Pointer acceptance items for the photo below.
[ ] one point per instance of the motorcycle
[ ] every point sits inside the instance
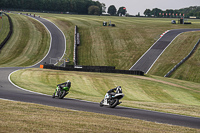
(112, 99)
(60, 93)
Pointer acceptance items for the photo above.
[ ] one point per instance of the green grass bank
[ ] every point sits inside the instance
(4, 28)
(28, 44)
(151, 93)
(123, 45)
(177, 51)
(119, 46)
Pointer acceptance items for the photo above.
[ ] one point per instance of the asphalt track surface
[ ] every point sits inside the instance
(153, 53)
(12, 92)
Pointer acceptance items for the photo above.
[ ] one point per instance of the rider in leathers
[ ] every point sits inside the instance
(65, 84)
(114, 90)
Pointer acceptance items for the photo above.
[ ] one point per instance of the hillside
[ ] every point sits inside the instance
(28, 44)
(119, 46)
(123, 45)
(177, 51)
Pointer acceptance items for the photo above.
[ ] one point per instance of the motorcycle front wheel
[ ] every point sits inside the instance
(53, 96)
(101, 103)
(114, 103)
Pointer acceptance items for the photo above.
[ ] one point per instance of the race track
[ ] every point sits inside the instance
(11, 92)
(153, 53)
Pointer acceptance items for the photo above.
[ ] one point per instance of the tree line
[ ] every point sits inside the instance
(184, 12)
(112, 10)
(71, 6)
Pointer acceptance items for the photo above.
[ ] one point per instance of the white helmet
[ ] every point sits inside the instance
(119, 89)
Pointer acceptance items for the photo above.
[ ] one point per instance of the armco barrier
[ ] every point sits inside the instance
(9, 34)
(101, 69)
(180, 63)
(76, 44)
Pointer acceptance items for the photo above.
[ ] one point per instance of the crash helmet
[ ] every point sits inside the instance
(119, 89)
(68, 83)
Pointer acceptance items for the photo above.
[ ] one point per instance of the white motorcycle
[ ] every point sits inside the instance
(112, 99)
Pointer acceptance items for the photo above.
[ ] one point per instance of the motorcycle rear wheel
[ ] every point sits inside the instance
(114, 103)
(61, 94)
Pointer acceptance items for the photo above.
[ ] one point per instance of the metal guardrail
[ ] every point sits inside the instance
(75, 47)
(76, 43)
(180, 63)
(99, 69)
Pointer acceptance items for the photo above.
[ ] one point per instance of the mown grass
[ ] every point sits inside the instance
(4, 28)
(180, 47)
(23, 117)
(119, 46)
(28, 44)
(150, 93)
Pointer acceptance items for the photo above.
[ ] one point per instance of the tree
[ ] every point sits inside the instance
(81, 7)
(112, 10)
(147, 12)
(156, 12)
(94, 10)
(138, 15)
(73, 6)
(122, 11)
(97, 3)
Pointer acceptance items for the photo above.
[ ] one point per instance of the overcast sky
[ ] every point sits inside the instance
(135, 6)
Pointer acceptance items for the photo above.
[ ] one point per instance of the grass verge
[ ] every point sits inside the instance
(27, 117)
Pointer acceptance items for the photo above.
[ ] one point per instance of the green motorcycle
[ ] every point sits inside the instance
(61, 92)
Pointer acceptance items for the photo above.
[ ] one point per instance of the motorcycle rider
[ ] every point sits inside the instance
(65, 84)
(113, 91)
(112, 97)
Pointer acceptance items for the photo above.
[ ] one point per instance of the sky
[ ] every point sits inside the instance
(135, 6)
